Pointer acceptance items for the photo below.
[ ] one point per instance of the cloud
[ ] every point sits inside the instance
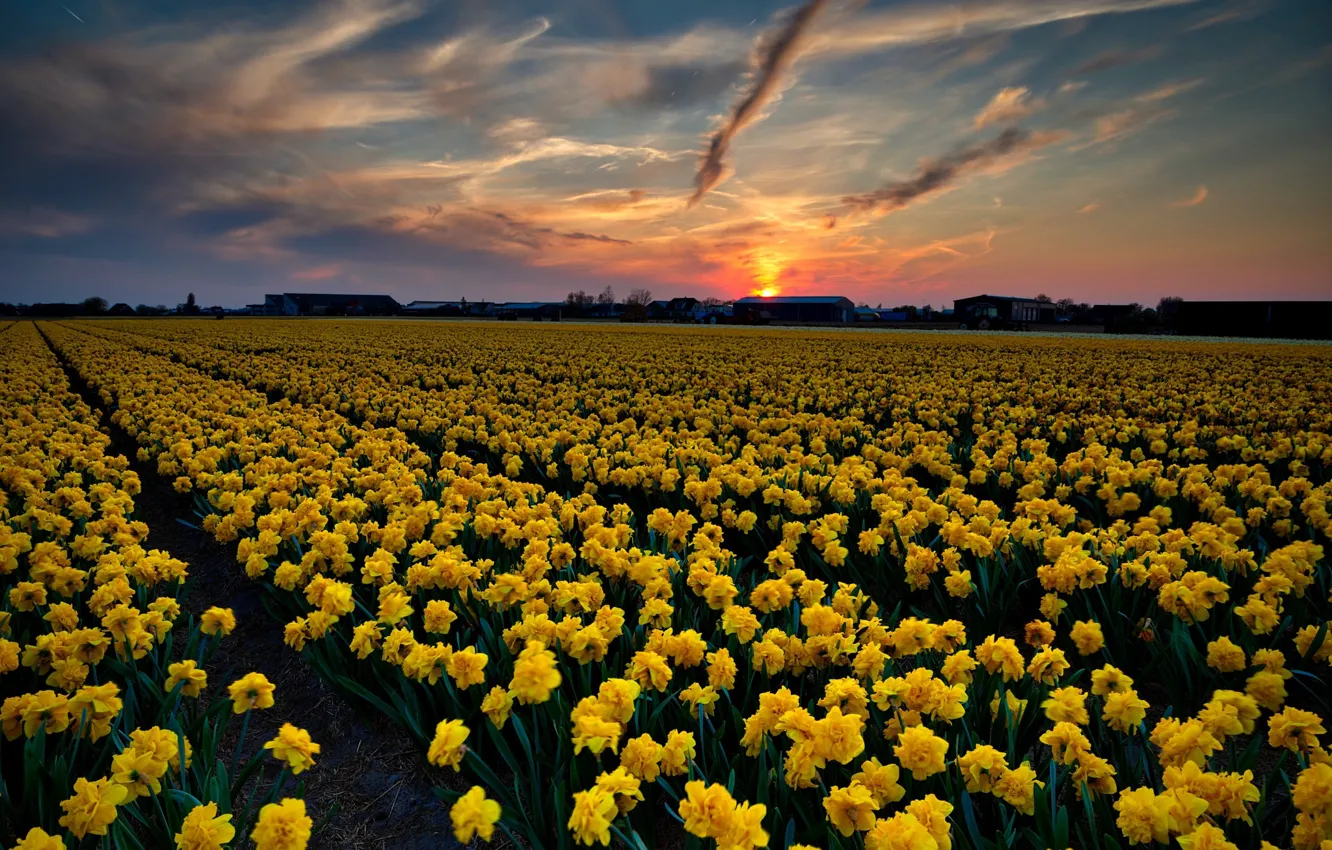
(324, 272)
(1117, 59)
(773, 55)
(1007, 106)
(1131, 116)
(1197, 198)
(44, 223)
(1235, 11)
(1169, 90)
(185, 93)
(1089, 208)
(938, 175)
(923, 23)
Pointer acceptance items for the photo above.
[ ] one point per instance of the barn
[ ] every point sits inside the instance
(815, 309)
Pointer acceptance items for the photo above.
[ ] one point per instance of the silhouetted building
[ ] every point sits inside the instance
(997, 309)
(1112, 316)
(331, 304)
(54, 309)
(815, 309)
(533, 309)
(1278, 319)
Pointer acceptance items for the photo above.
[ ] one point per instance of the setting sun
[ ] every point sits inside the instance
(768, 292)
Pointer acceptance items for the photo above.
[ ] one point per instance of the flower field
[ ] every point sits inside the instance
(660, 587)
(102, 668)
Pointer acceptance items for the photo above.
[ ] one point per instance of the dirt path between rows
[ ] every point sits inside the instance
(369, 769)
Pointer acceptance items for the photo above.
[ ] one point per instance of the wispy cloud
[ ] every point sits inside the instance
(1117, 59)
(1089, 208)
(773, 55)
(1169, 90)
(45, 223)
(1131, 116)
(325, 272)
(1233, 12)
(1197, 198)
(939, 175)
(901, 25)
(1008, 105)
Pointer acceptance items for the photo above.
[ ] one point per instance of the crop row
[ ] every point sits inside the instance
(106, 667)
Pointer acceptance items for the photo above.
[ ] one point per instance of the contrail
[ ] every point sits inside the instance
(773, 55)
(72, 15)
(936, 175)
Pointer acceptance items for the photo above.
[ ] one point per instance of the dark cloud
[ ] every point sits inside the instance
(937, 175)
(773, 55)
(1117, 59)
(595, 237)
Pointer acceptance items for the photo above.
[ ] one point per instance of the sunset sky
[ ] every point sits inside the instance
(893, 152)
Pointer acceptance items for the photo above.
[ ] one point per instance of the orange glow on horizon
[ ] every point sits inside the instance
(767, 292)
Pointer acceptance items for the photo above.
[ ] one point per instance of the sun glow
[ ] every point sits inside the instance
(765, 269)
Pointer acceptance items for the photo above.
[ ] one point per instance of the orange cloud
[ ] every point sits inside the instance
(318, 272)
(1198, 197)
(1007, 105)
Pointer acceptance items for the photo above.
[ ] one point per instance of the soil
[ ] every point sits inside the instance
(370, 787)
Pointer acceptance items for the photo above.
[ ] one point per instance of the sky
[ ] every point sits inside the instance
(892, 152)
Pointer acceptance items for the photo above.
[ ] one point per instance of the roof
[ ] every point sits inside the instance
(431, 305)
(531, 305)
(996, 298)
(793, 299)
(329, 299)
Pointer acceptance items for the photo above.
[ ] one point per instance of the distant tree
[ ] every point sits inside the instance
(7, 309)
(1044, 299)
(578, 299)
(95, 305)
(1065, 305)
(1169, 305)
(607, 296)
(190, 303)
(712, 302)
(636, 305)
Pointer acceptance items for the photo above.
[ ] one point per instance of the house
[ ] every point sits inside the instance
(120, 309)
(997, 309)
(328, 304)
(892, 315)
(1278, 319)
(867, 314)
(814, 309)
(684, 309)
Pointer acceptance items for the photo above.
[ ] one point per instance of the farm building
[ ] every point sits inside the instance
(532, 309)
(434, 308)
(1279, 319)
(330, 304)
(821, 309)
(1004, 308)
